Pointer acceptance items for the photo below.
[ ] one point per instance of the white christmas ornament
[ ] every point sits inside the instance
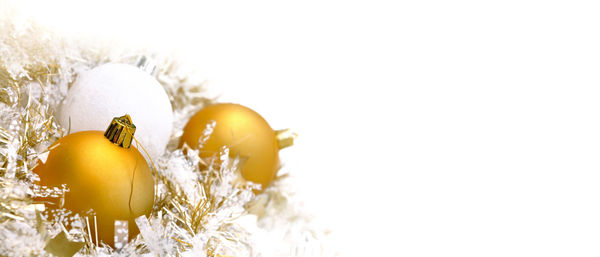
(112, 90)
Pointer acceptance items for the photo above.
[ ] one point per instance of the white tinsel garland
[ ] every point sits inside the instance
(198, 213)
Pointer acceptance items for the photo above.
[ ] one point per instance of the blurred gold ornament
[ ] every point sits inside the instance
(245, 133)
(103, 173)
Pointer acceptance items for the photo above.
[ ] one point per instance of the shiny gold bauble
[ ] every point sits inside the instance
(246, 134)
(113, 181)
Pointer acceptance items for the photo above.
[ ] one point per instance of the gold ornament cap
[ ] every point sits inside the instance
(285, 137)
(120, 131)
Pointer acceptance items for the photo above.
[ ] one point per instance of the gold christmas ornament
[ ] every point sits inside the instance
(103, 173)
(246, 134)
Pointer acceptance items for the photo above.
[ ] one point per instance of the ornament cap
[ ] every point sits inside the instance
(146, 64)
(285, 137)
(120, 131)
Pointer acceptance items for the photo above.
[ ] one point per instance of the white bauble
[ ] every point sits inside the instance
(113, 90)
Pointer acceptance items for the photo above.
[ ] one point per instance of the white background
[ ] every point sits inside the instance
(427, 128)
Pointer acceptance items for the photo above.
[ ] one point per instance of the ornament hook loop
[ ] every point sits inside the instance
(120, 131)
